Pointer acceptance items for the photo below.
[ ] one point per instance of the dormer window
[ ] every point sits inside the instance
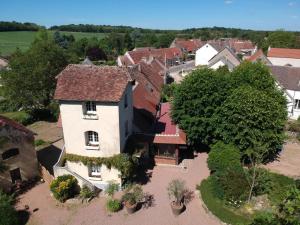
(90, 107)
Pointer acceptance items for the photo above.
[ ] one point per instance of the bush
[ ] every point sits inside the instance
(113, 205)
(8, 215)
(235, 186)
(217, 207)
(265, 218)
(264, 182)
(86, 192)
(133, 194)
(64, 187)
(294, 126)
(112, 189)
(176, 189)
(223, 157)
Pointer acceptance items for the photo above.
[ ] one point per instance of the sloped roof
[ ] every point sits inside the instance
(284, 53)
(166, 132)
(288, 77)
(259, 55)
(4, 121)
(94, 83)
(227, 55)
(189, 45)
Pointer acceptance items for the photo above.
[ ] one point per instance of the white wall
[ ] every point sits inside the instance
(293, 113)
(217, 65)
(204, 54)
(284, 61)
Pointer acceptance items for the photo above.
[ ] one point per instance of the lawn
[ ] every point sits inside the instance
(20, 116)
(11, 40)
(216, 206)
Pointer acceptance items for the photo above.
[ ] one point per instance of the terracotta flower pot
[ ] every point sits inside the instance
(177, 209)
(130, 208)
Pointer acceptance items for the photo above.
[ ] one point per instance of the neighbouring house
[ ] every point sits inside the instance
(169, 143)
(259, 56)
(96, 108)
(284, 56)
(166, 56)
(224, 58)
(17, 154)
(187, 46)
(205, 53)
(288, 79)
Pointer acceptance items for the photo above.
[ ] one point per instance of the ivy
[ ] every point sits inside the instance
(125, 163)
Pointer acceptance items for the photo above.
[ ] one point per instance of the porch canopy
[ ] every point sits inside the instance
(168, 137)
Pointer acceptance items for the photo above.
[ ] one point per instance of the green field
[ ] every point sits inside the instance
(9, 41)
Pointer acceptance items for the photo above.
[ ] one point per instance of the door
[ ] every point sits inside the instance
(15, 175)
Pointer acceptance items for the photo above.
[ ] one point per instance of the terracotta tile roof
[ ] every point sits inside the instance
(284, 53)
(89, 82)
(4, 121)
(160, 53)
(153, 73)
(288, 77)
(166, 132)
(257, 55)
(189, 45)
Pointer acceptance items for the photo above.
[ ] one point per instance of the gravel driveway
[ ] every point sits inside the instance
(52, 213)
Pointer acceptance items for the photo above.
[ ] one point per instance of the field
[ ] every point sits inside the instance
(9, 41)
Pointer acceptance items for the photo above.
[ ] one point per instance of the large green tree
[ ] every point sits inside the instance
(195, 101)
(30, 82)
(251, 118)
(8, 215)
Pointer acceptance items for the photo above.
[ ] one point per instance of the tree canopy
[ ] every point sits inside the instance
(30, 82)
(243, 107)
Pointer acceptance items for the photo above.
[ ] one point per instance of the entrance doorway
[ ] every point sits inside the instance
(15, 175)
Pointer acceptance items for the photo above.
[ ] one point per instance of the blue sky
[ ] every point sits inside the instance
(161, 14)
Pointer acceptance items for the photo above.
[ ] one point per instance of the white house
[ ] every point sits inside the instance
(96, 114)
(288, 79)
(284, 56)
(205, 53)
(226, 57)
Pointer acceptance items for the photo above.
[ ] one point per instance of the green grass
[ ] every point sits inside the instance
(11, 40)
(20, 116)
(216, 206)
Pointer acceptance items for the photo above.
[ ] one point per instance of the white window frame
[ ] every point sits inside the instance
(95, 171)
(297, 104)
(92, 138)
(90, 108)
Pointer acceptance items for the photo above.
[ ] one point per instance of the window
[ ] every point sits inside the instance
(95, 171)
(90, 107)
(126, 128)
(92, 138)
(10, 153)
(297, 104)
(125, 101)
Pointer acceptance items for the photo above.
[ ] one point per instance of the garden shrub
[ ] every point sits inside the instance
(112, 189)
(223, 157)
(8, 215)
(265, 218)
(20, 117)
(39, 142)
(235, 186)
(64, 187)
(86, 192)
(264, 181)
(113, 205)
(294, 126)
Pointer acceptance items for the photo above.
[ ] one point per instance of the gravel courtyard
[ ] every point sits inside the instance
(50, 212)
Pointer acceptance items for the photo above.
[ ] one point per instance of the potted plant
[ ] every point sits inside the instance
(176, 189)
(112, 205)
(132, 197)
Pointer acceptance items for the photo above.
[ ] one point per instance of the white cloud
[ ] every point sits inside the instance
(294, 17)
(228, 2)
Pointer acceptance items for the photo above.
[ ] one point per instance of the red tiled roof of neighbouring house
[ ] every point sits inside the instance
(257, 55)
(189, 45)
(89, 82)
(166, 132)
(160, 53)
(288, 77)
(4, 121)
(239, 45)
(152, 73)
(284, 53)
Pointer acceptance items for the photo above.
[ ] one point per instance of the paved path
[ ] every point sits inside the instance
(288, 162)
(94, 213)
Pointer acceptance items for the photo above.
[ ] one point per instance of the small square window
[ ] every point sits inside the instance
(90, 107)
(92, 138)
(95, 171)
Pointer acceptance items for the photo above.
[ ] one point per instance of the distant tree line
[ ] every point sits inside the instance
(16, 26)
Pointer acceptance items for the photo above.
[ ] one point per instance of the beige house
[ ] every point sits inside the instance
(225, 57)
(17, 154)
(96, 114)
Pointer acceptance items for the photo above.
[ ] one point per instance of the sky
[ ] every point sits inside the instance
(158, 14)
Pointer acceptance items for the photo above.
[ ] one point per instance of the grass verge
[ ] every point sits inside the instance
(217, 207)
